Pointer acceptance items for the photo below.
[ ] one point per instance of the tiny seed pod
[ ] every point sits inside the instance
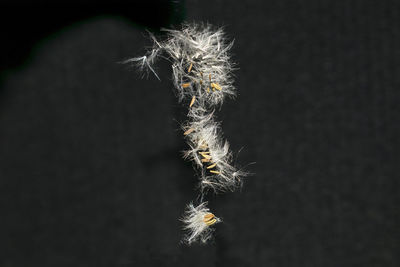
(209, 219)
(188, 131)
(216, 86)
(185, 85)
(211, 222)
(208, 216)
(192, 102)
(212, 166)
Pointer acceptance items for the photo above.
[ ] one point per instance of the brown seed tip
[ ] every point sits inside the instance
(185, 85)
(188, 131)
(192, 102)
(190, 67)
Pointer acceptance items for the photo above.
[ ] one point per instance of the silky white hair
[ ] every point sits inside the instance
(202, 47)
(202, 73)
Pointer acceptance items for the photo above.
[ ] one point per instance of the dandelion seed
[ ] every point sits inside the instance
(197, 222)
(190, 67)
(216, 86)
(192, 102)
(207, 157)
(209, 219)
(212, 166)
(215, 172)
(188, 131)
(208, 216)
(185, 85)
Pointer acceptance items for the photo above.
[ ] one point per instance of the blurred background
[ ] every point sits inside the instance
(91, 172)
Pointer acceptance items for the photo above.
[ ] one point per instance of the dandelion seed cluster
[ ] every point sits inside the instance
(202, 75)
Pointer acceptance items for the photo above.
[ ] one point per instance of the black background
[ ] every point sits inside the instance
(90, 165)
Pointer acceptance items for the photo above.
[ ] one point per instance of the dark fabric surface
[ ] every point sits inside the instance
(90, 165)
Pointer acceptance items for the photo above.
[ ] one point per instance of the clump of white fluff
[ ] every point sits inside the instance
(202, 74)
(195, 225)
(210, 152)
(200, 49)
